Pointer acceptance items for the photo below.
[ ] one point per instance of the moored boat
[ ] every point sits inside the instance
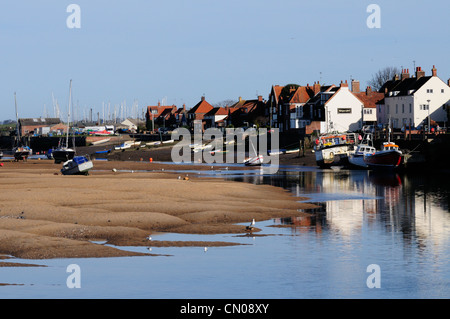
(20, 152)
(356, 159)
(389, 157)
(79, 165)
(63, 152)
(254, 161)
(334, 149)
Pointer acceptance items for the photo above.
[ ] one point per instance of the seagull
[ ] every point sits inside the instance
(149, 237)
(149, 248)
(206, 249)
(179, 177)
(250, 227)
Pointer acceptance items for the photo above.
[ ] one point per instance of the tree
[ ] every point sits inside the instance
(382, 76)
(228, 102)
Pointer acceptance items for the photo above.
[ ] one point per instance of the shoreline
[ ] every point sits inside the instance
(45, 215)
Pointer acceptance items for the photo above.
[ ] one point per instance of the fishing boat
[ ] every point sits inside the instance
(389, 157)
(79, 165)
(333, 149)
(21, 152)
(356, 159)
(63, 152)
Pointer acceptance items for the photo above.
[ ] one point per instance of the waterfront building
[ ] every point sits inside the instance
(334, 108)
(412, 100)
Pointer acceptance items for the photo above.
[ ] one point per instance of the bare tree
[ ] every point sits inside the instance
(382, 76)
(228, 102)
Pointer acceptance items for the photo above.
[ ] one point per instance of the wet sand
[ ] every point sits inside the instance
(44, 214)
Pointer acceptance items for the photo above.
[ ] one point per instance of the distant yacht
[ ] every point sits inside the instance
(63, 153)
(21, 152)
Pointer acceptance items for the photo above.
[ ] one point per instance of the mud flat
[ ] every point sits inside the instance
(44, 214)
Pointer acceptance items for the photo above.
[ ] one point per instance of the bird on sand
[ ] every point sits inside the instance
(250, 227)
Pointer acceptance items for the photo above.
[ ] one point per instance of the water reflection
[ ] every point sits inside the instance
(355, 202)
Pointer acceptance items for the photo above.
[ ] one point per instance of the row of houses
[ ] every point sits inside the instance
(406, 100)
(241, 113)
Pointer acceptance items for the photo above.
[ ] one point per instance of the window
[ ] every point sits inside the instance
(410, 108)
(429, 90)
(403, 108)
(442, 90)
(388, 109)
(396, 108)
(423, 107)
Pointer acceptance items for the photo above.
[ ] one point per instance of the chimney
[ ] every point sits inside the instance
(343, 85)
(316, 87)
(396, 78)
(240, 99)
(184, 108)
(259, 98)
(405, 74)
(203, 98)
(448, 82)
(159, 103)
(419, 72)
(368, 90)
(355, 86)
(434, 71)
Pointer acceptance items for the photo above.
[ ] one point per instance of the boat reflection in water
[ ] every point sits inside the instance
(353, 202)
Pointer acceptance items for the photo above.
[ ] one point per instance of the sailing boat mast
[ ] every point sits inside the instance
(68, 114)
(17, 118)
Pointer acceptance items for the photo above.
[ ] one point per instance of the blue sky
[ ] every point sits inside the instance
(179, 50)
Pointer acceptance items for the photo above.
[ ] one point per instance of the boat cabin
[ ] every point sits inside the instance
(335, 139)
(390, 146)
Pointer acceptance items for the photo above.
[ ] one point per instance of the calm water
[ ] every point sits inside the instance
(400, 223)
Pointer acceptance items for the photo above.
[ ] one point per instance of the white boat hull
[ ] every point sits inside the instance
(72, 168)
(357, 160)
(254, 161)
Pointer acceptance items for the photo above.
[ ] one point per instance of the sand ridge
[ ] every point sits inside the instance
(44, 214)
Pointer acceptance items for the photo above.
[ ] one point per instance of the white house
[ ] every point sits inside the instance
(342, 111)
(411, 100)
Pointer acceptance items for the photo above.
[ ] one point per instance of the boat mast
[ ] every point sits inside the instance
(68, 115)
(17, 120)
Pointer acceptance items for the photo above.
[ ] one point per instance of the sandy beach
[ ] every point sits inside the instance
(44, 214)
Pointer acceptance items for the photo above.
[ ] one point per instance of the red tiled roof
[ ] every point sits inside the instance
(369, 100)
(159, 109)
(201, 107)
(302, 94)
